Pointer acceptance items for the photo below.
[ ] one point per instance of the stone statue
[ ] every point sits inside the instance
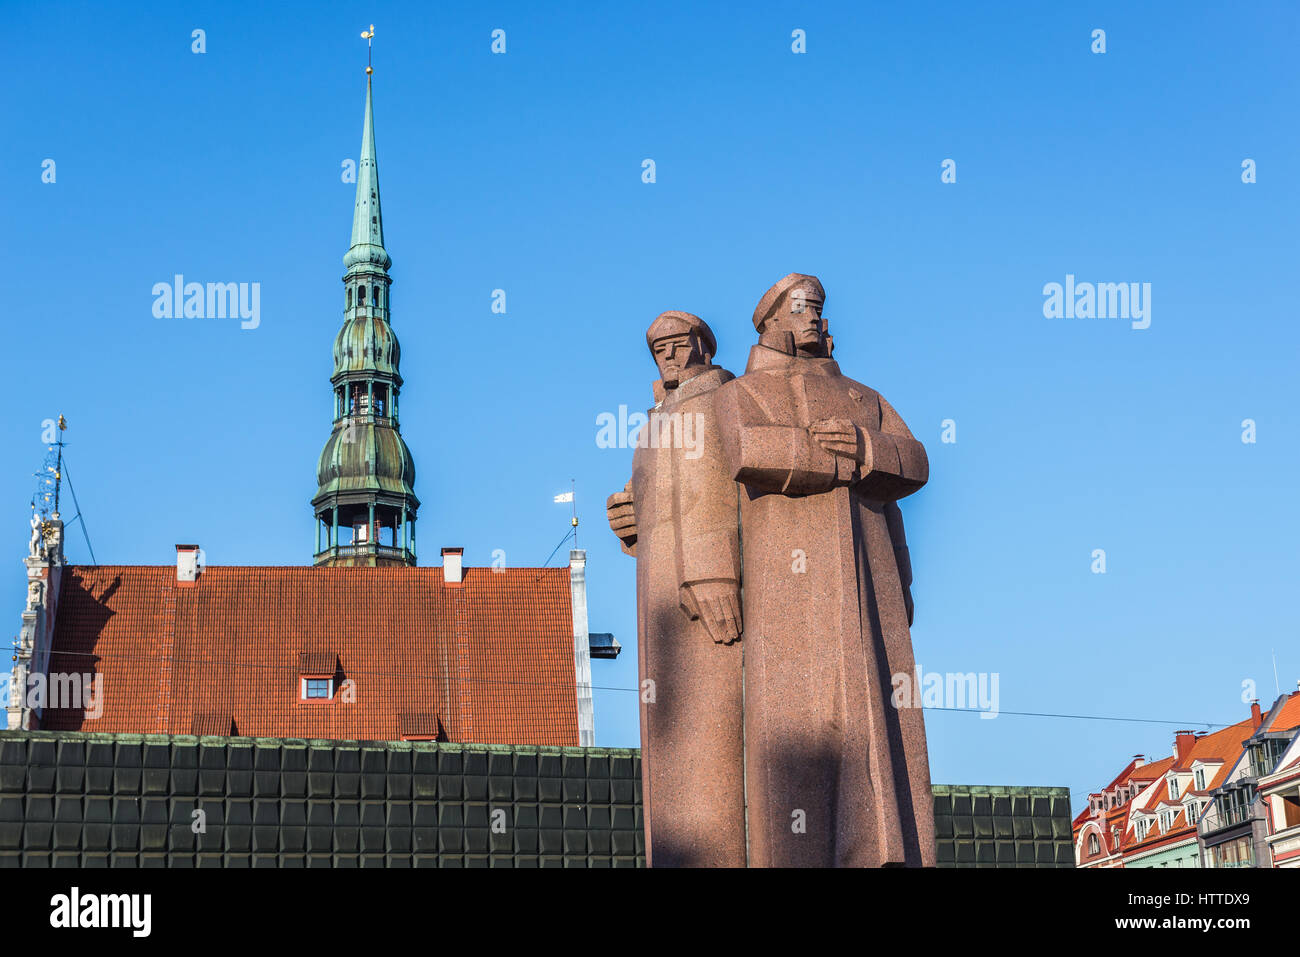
(835, 775)
(35, 547)
(677, 516)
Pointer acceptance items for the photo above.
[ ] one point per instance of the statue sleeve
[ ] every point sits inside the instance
(771, 457)
(896, 463)
(705, 506)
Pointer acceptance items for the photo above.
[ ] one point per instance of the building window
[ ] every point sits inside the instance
(317, 689)
(1094, 845)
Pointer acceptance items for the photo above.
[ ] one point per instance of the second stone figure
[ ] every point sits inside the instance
(678, 517)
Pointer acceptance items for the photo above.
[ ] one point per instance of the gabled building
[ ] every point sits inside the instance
(1161, 814)
(1100, 832)
(1234, 830)
(1279, 793)
(360, 645)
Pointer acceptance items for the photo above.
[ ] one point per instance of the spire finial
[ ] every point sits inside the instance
(368, 36)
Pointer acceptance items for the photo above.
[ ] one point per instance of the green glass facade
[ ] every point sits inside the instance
(129, 800)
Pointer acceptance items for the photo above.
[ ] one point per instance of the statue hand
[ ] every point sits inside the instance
(837, 436)
(717, 606)
(621, 512)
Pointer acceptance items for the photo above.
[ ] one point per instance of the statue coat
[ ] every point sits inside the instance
(835, 775)
(691, 718)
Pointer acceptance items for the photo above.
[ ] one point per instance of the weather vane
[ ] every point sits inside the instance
(368, 36)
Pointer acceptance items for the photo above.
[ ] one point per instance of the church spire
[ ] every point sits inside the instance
(367, 219)
(365, 500)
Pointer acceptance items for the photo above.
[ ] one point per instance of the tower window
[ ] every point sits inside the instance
(349, 297)
(361, 295)
(374, 295)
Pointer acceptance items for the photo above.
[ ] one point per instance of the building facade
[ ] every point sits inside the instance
(1199, 807)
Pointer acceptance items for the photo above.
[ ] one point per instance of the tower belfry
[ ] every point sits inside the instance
(365, 504)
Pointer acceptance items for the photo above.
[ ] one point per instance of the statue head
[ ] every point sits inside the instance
(682, 345)
(793, 307)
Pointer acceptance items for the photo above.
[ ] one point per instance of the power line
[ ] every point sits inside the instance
(1084, 717)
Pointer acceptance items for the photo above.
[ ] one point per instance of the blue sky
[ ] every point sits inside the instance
(522, 172)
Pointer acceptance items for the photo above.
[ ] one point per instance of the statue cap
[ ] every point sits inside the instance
(675, 323)
(767, 305)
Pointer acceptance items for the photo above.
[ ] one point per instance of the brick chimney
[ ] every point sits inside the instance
(1183, 741)
(452, 572)
(1256, 716)
(187, 565)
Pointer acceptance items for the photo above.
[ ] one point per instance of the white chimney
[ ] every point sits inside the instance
(187, 564)
(452, 573)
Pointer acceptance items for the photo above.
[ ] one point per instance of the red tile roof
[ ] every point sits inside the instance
(491, 661)
(1288, 716)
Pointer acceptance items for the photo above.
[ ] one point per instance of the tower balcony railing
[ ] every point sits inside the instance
(366, 550)
(367, 418)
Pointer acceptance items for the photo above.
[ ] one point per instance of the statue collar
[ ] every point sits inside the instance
(767, 359)
(695, 385)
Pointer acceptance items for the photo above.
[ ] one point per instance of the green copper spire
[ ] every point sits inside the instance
(365, 500)
(367, 218)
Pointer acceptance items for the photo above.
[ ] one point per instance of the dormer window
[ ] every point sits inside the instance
(316, 674)
(1193, 811)
(1173, 788)
(1094, 845)
(1199, 777)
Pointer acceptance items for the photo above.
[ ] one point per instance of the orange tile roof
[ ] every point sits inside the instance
(1288, 716)
(1224, 747)
(491, 661)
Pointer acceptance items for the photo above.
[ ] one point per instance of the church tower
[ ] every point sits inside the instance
(365, 504)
